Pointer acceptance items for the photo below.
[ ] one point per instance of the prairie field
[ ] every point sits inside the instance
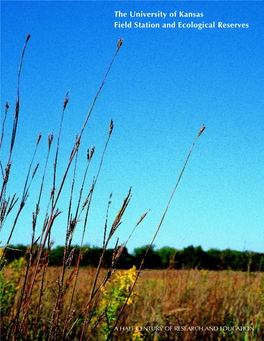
(165, 305)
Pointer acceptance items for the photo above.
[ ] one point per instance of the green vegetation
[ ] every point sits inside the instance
(164, 258)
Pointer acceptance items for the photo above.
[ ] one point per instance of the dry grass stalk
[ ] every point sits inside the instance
(151, 243)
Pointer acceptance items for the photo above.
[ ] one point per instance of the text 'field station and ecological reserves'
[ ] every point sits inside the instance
(176, 19)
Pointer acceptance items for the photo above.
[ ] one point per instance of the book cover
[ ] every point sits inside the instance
(133, 127)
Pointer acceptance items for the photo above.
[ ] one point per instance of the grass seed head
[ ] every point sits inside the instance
(111, 128)
(201, 130)
(50, 139)
(66, 100)
(39, 137)
(92, 152)
(120, 42)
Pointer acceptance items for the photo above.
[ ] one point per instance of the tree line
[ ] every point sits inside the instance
(164, 258)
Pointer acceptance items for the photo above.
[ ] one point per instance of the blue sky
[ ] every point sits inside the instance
(164, 84)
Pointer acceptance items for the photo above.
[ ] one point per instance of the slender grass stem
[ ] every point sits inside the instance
(157, 230)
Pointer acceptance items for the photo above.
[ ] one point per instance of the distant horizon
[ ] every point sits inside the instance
(54, 246)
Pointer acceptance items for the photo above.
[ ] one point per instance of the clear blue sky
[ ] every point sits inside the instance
(164, 84)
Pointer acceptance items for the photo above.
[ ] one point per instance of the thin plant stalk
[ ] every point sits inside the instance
(85, 122)
(2, 136)
(110, 272)
(69, 231)
(157, 230)
(58, 144)
(34, 222)
(54, 213)
(7, 171)
(87, 211)
(24, 197)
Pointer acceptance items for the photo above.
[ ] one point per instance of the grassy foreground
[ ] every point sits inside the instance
(165, 305)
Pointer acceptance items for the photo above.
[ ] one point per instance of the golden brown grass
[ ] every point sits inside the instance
(167, 299)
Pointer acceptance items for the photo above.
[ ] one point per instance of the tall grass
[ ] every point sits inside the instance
(36, 305)
(163, 301)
